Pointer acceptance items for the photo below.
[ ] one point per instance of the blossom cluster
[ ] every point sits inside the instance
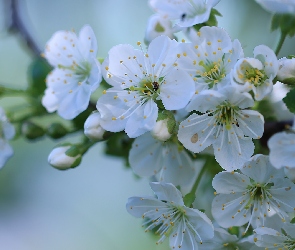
(182, 103)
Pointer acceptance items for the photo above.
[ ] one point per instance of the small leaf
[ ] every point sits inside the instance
(289, 100)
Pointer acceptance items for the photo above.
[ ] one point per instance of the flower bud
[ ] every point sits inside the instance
(286, 73)
(157, 26)
(160, 131)
(92, 128)
(31, 130)
(65, 157)
(56, 130)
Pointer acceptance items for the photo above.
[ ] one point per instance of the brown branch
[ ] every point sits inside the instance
(18, 26)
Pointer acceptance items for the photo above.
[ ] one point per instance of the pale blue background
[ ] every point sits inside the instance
(84, 209)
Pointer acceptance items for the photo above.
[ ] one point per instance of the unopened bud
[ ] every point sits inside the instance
(157, 26)
(56, 130)
(160, 131)
(286, 73)
(92, 128)
(31, 130)
(65, 157)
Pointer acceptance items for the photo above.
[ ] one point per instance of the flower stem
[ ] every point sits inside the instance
(281, 41)
(191, 196)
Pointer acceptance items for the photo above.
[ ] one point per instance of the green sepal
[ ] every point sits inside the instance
(212, 21)
(293, 220)
(77, 162)
(171, 122)
(284, 22)
(31, 130)
(234, 231)
(159, 28)
(290, 57)
(56, 130)
(188, 199)
(73, 151)
(289, 100)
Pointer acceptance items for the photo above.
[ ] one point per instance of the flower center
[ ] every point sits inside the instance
(213, 73)
(255, 76)
(148, 88)
(81, 71)
(225, 115)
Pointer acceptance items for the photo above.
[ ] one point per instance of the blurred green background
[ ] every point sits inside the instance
(84, 209)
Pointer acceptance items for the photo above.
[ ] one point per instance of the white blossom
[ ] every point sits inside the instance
(7, 132)
(76, 72)
(278, 6)
(186, 13)
(286, 69)
(257, 73)
(167, 160)
(272, 239)
(168, 215)
(140, 80)
(259, 191)
(158, 25)
(225, 123)
(282, 148)
(210, 57)
(225, 241)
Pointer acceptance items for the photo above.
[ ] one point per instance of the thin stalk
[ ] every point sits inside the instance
(281, 42)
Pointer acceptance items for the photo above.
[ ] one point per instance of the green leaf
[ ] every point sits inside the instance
(284, 22)
(212, 21)
(289, 100)
(289, 81)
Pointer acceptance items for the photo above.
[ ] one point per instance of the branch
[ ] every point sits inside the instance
(18, 26)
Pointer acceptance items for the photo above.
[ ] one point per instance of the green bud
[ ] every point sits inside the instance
(31, 130)
(56, 130)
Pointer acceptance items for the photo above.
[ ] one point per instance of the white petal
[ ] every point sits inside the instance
(143, 120)
(259, 169)
(226, 182)
(282, 147)
(137, 206)
(206, 100)
(230, 151)
(268, 58)
(87, 42)
(146, 155)
(62, 49)
(251, 123)
(167, 192)
(50, 101)
(178, 163)
(197, 132)
(177, 90)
